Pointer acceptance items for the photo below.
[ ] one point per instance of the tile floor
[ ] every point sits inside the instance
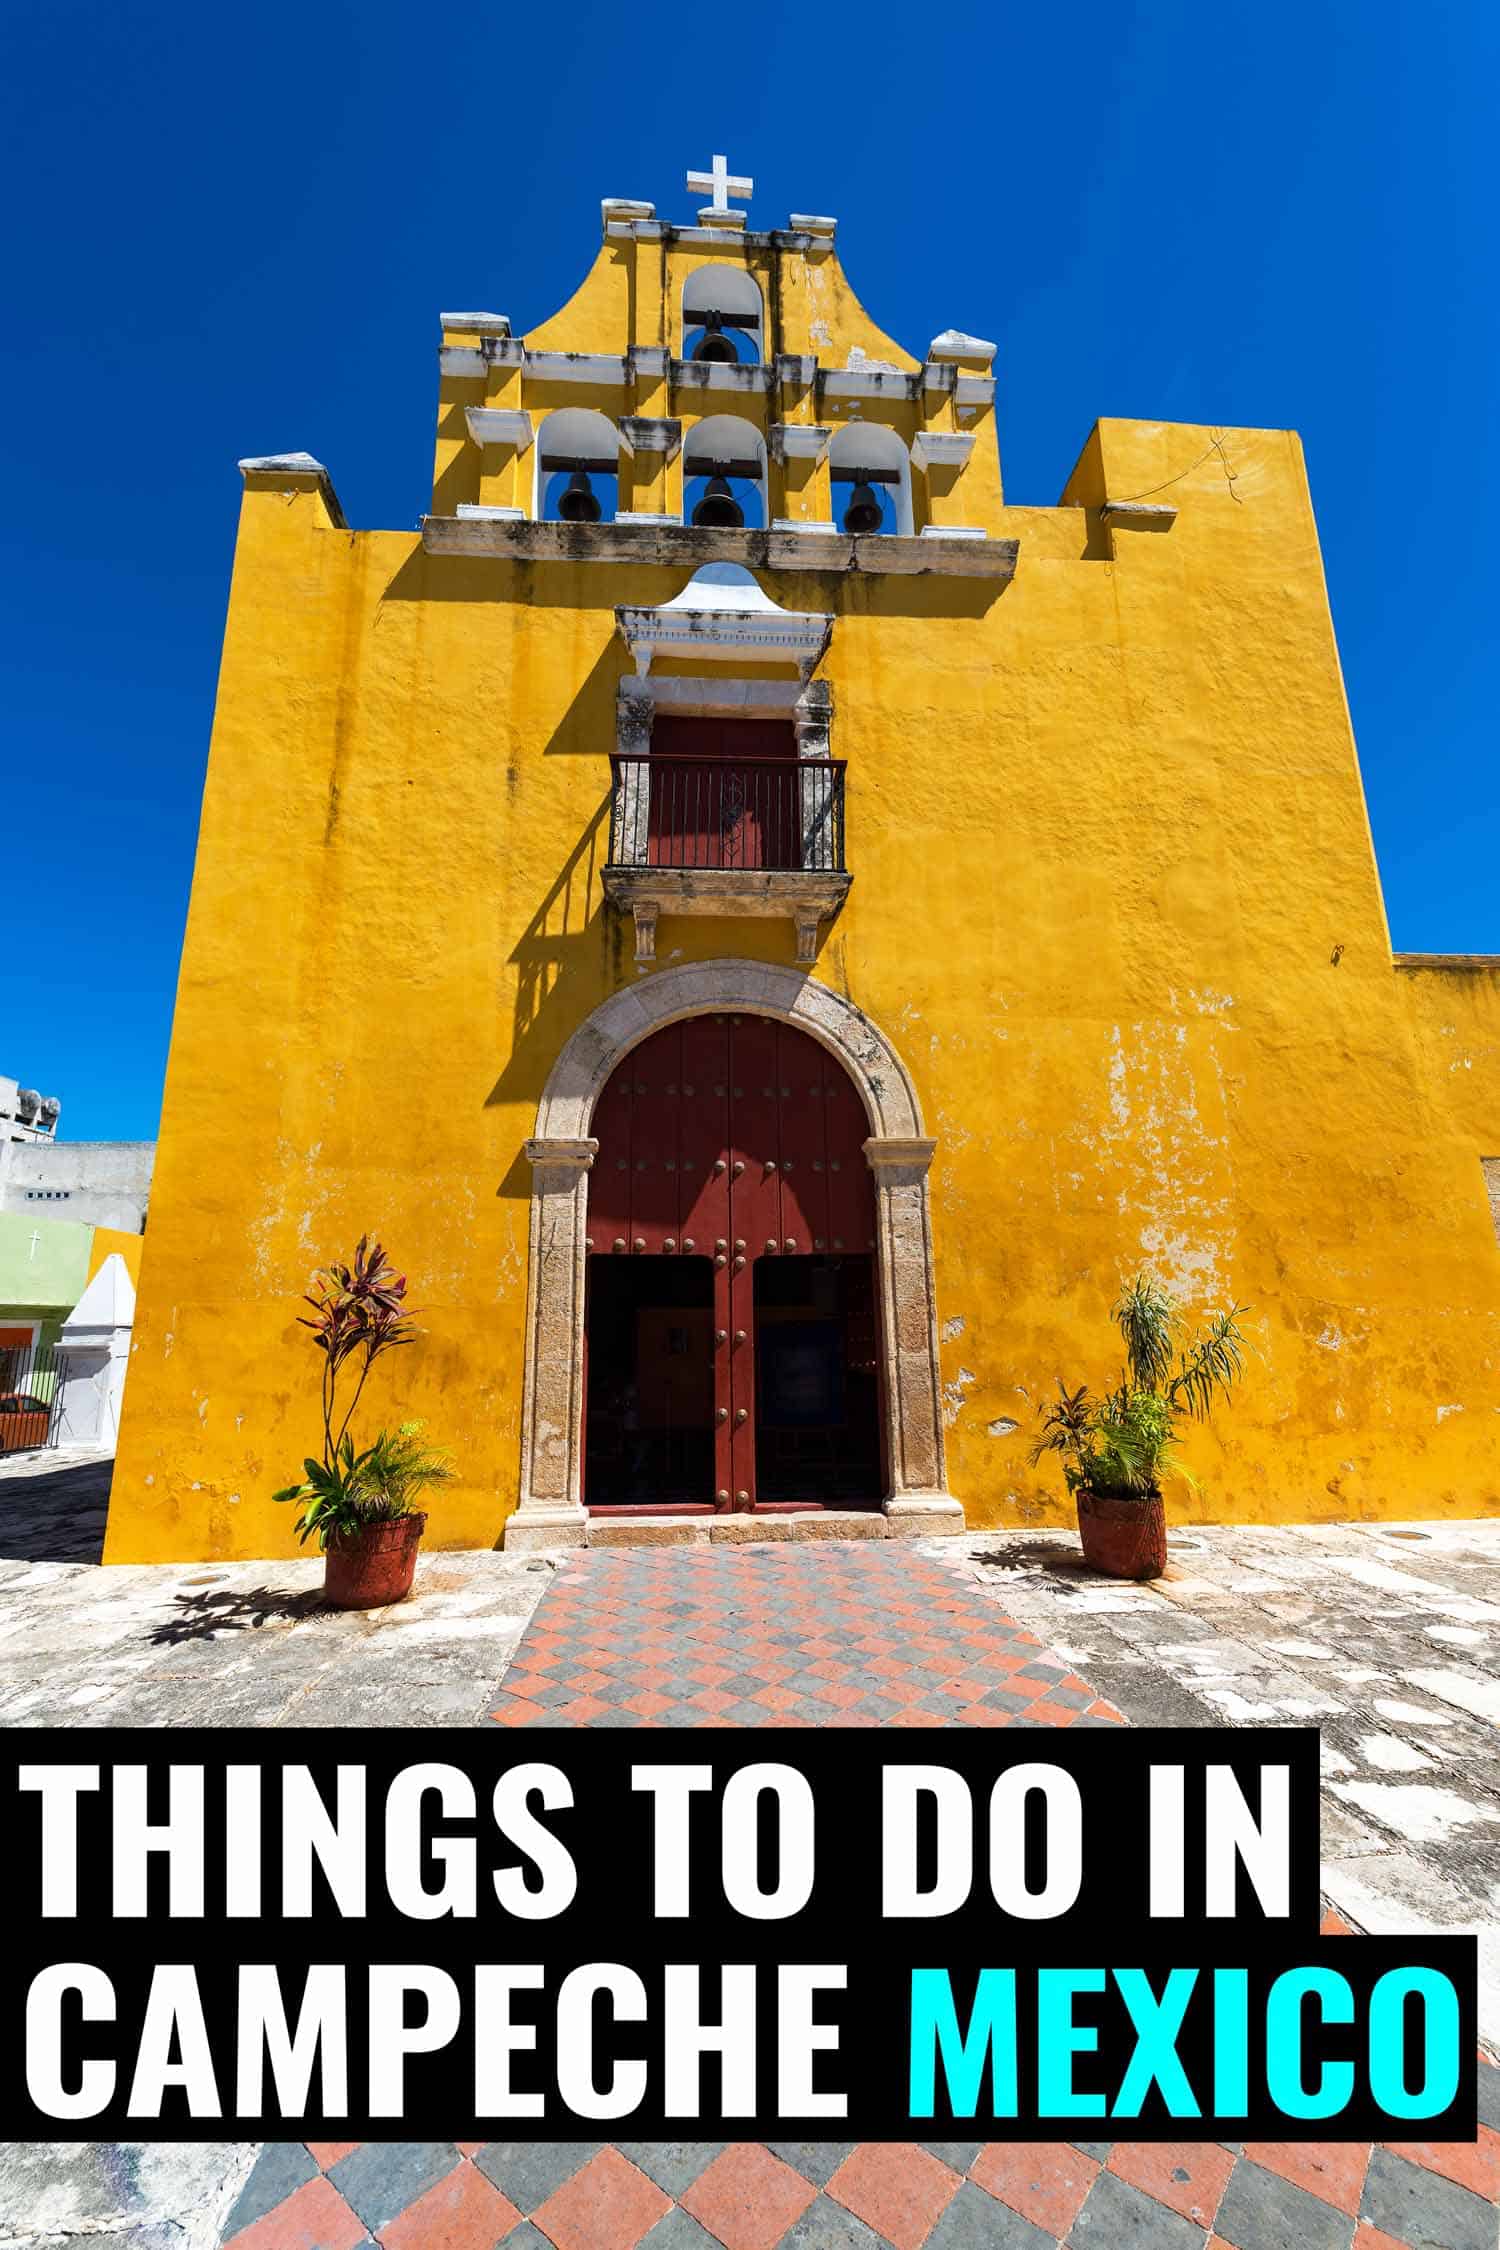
(815, 2195)
(852, 1634)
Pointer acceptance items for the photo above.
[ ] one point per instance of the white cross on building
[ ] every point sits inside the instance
(720, 184)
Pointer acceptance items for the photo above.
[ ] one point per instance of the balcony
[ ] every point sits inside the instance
(730, 836)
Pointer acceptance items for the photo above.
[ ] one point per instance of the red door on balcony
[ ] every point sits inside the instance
(724, 793)
(732, 1342)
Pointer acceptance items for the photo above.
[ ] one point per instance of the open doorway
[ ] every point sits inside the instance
(817, 1406)
(649, 1440)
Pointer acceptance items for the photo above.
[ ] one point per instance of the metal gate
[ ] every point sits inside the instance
(734, 1141)
(30, 1396)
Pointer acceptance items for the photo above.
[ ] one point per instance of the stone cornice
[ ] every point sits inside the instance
(688, 546)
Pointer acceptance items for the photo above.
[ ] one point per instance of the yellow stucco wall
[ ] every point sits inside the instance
(1114, 902)
(130, 1246)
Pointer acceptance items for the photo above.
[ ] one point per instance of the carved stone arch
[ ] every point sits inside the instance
(550, 1510)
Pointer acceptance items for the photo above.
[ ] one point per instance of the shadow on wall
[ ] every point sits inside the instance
(570, 953)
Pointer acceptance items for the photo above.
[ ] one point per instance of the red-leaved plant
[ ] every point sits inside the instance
(358, 1312)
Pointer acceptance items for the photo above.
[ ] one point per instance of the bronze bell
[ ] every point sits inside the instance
(719, 510)
(580, 503)
(863, 512)
(713, 344)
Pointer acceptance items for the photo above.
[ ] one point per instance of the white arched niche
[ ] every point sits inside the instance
(870, 455)
(577, 452)
(724, 469)
(722, 316)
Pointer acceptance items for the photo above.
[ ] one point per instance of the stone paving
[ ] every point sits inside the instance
(824, 2195)
(1384, 1636)
(53, 1504)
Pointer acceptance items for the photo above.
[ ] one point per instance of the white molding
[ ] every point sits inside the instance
(625, 207)
(806, 527)
(600, 368)
(717, 696)
(724, 616)
(474, 512)
(475, 323)
(943, 449)
(461, 359)
(949, 531)
(954, 344)
(720, 375)
(800, 441)
(631, 515)
(866, 382)
(651, 361)
(975, 390)
(720, 238)
(282, 465)
(499, 425)
(803, 222)
(1138, 515)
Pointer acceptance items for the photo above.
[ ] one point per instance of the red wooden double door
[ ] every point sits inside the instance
(732, 1350)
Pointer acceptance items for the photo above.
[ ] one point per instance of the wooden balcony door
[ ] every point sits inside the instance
(724, 793)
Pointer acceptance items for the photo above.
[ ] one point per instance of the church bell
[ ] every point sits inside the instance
(863, 512)
(719, 510)
(713, 344)
(580, 503)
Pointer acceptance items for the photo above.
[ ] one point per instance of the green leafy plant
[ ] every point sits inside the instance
(1123, 1442)
(359, 1312)
(342, 1497)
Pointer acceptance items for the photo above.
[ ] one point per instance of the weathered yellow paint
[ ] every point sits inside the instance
(1114, 901)
(109, 1239)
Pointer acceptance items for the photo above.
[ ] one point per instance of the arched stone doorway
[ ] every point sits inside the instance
(730, 1312)
(562, 1152)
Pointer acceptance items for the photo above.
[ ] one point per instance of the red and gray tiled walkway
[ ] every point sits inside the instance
(849, 1634)
(842, 1635)
(966, 2195)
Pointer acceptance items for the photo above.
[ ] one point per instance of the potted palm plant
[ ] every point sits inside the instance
(360, 1504)
(1117, 1447)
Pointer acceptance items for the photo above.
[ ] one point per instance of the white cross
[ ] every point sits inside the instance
(36, 1243)
(720, 184)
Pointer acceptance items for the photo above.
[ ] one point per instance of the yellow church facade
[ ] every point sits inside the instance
(770, 935)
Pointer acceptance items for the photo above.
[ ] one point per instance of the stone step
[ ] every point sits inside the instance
(735, 1531)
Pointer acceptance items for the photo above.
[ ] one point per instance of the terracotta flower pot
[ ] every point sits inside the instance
(1123, 1538)
(373, 1567)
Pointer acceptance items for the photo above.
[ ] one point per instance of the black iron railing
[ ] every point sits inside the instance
(30, 1396)
(777, 815)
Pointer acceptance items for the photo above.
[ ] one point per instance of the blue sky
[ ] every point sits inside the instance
(233, 233)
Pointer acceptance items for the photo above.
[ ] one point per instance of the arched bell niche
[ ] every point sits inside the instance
(722, 316)
(724, 475)
(577, 467)
(870, 473)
